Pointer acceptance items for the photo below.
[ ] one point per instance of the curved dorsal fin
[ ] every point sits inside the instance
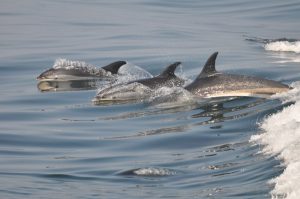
(114, 67)
(169, 71)
(209, 67)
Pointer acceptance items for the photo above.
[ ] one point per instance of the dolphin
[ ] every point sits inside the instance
(142, 88)
(80, 72)
(211, 83)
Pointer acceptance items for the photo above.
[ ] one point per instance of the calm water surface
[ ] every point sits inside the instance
(60, 145)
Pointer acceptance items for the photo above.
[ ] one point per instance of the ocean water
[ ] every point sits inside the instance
(59, 144)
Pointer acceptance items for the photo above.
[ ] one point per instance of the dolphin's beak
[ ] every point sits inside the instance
(40, 77)
(43, 75)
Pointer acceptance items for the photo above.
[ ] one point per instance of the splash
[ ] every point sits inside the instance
(150, 172)
(166, 97)
(283, 46)
(281, 137)
(130, 72)
(70, 64)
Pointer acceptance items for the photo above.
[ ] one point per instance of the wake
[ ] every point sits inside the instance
(281, 137)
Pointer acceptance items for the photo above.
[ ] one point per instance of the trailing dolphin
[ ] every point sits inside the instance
(142, 88)
(64, 70)
(211, 83)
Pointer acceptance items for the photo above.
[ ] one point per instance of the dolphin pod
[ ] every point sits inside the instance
(208, 84)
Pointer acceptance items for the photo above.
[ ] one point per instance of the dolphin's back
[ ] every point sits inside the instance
(166, 79)
(158, 82)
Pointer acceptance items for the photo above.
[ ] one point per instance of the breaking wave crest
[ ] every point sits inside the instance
(283, 46)
(281, 137)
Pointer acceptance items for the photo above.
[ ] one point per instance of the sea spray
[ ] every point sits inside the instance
(281, 137)
(283, 46)
(130, 72)
(71, 64)
(150, 172)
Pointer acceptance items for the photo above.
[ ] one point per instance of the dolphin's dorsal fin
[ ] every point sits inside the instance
(169, 71)
(114, 67)
(209, 67)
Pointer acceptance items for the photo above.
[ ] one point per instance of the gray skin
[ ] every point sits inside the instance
(80, 73)
(142, 88)
(211, 83)
(166, 79)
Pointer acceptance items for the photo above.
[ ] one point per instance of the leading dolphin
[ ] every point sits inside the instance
(142, 88)
(79, 71)
(211, 83)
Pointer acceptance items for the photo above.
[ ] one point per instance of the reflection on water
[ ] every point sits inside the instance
(72, 85)
(115, 102)
(212, 113)
(217, 113)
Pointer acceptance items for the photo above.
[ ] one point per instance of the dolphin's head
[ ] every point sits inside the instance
(50, 74)
(57, 74)
(65, 74)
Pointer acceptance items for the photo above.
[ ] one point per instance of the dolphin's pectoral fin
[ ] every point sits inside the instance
(209, 67)
(114, 67)
(169, 71)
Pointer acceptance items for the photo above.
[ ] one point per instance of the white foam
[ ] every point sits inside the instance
(71, 64)
(281, 137)
(154, 172)
(283, 46)
(291, 96)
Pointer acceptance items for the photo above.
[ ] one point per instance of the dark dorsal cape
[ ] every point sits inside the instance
(170, 70)
(166, 78)
(114, 67)
(209, 67)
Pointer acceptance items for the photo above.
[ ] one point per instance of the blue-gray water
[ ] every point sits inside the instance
(60, 145)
